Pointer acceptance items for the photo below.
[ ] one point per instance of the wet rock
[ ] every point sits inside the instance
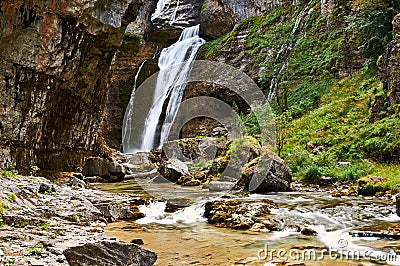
(137, 241)
(109, 253)
(308, 232)
(236, 214)
(173, 169)
(267, 173)
(325, 181)
(398, 204)
(220, 186)
(257, 227)
(182, 13)
(369, 186)
(192, 183)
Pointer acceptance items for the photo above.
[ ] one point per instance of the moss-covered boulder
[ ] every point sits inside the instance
(238, 215)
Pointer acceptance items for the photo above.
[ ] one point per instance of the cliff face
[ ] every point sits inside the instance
(389, 72)
(55, 58)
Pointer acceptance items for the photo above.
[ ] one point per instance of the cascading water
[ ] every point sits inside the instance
(127, 132)
(285, 50)
(160, 7)
(175, 66)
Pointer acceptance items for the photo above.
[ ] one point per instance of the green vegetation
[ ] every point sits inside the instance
(326, 84)
(2, 207)
(10, 171)
(12, 197)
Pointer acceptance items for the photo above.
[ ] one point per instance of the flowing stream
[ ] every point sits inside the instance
(184, 237)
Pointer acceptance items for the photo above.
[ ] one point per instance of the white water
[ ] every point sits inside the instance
(160, 7)
(155, 213)
(127, 132)
(175, 65)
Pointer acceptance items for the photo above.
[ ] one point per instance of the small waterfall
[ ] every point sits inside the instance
(175, 12)
(285, 50)
(160, 7)
(126, 132)
(175, 65)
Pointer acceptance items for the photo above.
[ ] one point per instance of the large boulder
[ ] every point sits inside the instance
(109, 253)
(237, 214)
(173, 169)
(267, 173)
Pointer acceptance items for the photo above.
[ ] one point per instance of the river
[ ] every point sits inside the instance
(184, 237)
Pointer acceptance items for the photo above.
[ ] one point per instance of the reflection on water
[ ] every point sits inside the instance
(184, 237)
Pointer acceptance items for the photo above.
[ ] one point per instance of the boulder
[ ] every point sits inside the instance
(267, 173)
(237, 214)
(95, 166)
(220, 186)
(217, 19)
(173, 169)
(109, 253)
(398, 204)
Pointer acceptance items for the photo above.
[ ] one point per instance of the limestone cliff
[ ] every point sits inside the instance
(389, 72)
(55, 58)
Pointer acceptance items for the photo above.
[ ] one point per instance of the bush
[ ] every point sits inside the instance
(312, 174)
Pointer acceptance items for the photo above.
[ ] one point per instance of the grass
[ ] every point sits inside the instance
(12, 197)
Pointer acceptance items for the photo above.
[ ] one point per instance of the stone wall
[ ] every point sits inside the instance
(55, 58)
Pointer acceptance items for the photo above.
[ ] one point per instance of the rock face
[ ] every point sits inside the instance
(389, 72)
(55, 58)
(219, 17)
(110, 253)
(183, 13)
(53, 218)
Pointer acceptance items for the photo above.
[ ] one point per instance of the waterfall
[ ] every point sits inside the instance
(126, 131)
(175, 65)
(160, 7)
(285, 50)
(171, 83)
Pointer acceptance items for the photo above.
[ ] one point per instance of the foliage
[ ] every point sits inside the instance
(372, 26)
(2, 207)
(326, 83)
(12, 197)
(10, 171)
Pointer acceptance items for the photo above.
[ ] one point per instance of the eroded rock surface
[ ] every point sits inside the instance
(55, 58)
(110, 253)
(41, 219)
(389, 72)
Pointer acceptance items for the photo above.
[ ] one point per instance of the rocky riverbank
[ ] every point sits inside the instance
(43, 223)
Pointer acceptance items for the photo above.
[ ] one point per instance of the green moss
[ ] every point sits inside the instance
(12, 197)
